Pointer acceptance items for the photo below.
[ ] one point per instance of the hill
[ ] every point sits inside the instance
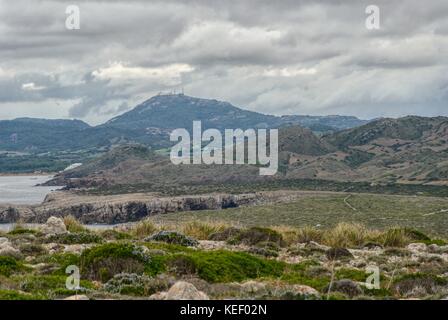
(149, 123)
(28, 134)
(409, 150)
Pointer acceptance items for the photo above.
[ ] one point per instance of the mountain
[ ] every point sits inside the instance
(28, 134)
(179, 111)
(409, 150)
(407, 128)
(324, 123)
(149, 123)
(300, 140)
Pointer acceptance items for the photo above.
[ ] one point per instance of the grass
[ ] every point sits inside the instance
(9, 266)
(202, 230)
(143, 229)
(326, 210)
(73, 225)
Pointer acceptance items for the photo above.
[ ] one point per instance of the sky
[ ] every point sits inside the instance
(277, 57)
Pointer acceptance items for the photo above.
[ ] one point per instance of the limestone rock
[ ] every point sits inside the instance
(158, 296)
(253, 287)
(182, 290)
(54, 226)
(305, 291)
(7, 249)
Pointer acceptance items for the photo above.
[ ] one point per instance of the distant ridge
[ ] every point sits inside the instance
(150, 123)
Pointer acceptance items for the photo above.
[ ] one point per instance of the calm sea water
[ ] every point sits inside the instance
(23, 190)
(16, 190)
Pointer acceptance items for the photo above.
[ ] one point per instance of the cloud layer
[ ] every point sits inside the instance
(278, 57)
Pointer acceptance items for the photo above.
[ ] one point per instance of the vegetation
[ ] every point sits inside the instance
(276, 260)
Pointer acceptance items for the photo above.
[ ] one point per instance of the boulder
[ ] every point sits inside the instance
(417, 247)
(54, 226)
(158, 296)
(182, 290)
(6, 249)
(253, 287)
(304, 291)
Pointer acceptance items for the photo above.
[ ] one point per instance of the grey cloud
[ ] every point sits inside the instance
(282, 57)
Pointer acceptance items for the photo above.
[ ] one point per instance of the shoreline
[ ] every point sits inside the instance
(21, 174)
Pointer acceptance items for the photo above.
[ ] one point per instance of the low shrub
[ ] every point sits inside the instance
(75, 238)
(104, 261)
(50, 285)
(338, 254)
(16, 295)
(221, 265)
(255, 235)
(73, 225)
(345, 235)
(112, 234)
(395, 237)
(143, 229)
(173, 237)
(9, 265)
(225, 234)
(137, 285)
(202, 230)
(419, 284)
(32, 249)
(22, 230)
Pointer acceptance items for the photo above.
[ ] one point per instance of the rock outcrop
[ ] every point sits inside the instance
(53, 226)
(7, 249)
(120, 208)
(182, 290)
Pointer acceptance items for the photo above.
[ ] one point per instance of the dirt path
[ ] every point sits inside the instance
(348, 204)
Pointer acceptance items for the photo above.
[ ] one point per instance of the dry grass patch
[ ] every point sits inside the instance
(202, 230)
(73, 225)
(143, 229)
(345, 235)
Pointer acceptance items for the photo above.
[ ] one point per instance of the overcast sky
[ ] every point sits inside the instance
(277, 57)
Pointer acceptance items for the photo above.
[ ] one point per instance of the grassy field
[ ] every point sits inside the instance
(428, 214)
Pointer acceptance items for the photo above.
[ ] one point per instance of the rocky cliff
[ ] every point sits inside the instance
(119, 209)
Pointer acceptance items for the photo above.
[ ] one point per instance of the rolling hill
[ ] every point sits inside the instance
(149, 123)
(385, 152)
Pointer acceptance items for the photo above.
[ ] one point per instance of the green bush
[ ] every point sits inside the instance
(9, 265)
(50, 285)
(227, 266)
(173, 237)
(111, 234)
(20, 230)
(32, 249)
(104, 261)
(429, 282)
(137, 285)
(256, 235)
(75, 238)
(15, 295)
(61, 260)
